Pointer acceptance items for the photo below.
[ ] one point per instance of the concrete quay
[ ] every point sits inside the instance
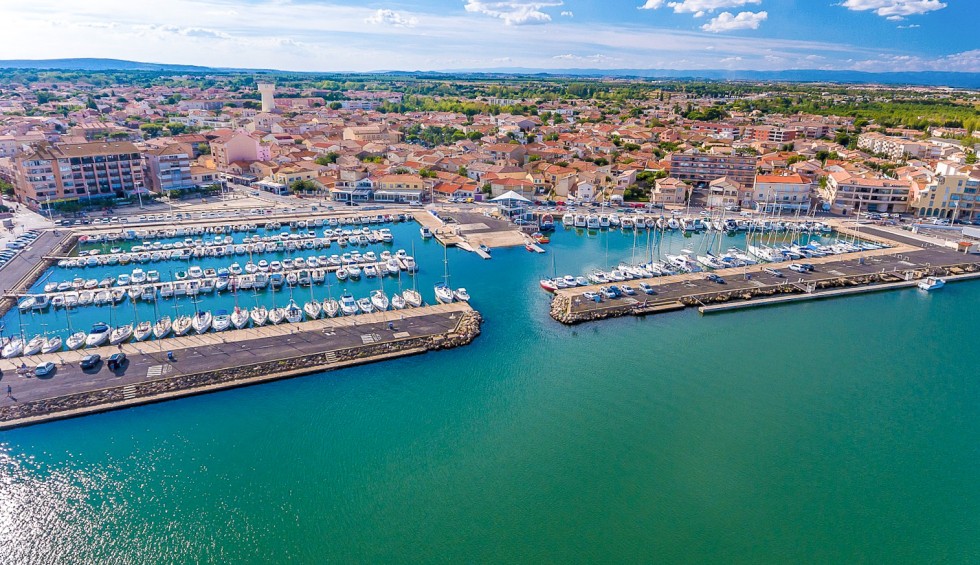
(217, 361)
(897, 267)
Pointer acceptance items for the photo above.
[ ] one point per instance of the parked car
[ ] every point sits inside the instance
(116, 361)
(90, 361)
(44, 369)
(774, 272)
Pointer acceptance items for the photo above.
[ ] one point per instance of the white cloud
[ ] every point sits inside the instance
(697, 7)
(910, 26)
(392, 18)
(515, 12)
(895, 9)
(568, 14)
(726, 21)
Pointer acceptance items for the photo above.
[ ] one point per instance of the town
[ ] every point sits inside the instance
(72, 144)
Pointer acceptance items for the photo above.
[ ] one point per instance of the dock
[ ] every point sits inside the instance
(900, 266)
(218, 361)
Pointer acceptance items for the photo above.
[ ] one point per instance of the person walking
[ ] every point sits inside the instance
(10, 392)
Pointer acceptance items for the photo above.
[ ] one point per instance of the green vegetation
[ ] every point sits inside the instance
(327, 158)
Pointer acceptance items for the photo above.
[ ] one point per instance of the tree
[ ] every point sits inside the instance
(303, 186)
(462, 171)
(176, 128)
(426, 173)
(6, 188)
(486, 189)
(327, 158)
(151, 130)
(203, 148)
(971, 158)
(336, 105)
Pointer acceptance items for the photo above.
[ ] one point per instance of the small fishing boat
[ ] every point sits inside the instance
(931, 283)
(461, 295)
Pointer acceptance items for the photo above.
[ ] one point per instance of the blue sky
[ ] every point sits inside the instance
(339, 35)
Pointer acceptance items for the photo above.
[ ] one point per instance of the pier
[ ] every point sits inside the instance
(899, 266)
(217, 361)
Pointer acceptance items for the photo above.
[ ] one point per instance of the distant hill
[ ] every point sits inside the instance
(95, 65)
(921, 78)
(918, 78)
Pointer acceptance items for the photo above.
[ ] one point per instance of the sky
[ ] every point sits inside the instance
(351, 35)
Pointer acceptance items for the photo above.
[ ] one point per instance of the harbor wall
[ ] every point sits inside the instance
(181, 385)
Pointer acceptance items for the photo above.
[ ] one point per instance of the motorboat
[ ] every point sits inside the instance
(461, 295)
(931, 283)
(348, 305)
(444, 294)
(379, 300)
(365, 305)
(342, 274)
(412, 298)
(97, 335)
(548, 284)
(162, 327)
(221, 321)
(425, 232)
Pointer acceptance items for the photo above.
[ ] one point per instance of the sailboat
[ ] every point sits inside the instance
(51, 344)
(259, 315)
(121, 334)
(294, 314)
(239, 317)
(162, 327)
(379, 300)
(142, 331)
(444, 293)
(181, 325)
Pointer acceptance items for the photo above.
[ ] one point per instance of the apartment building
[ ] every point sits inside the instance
(788, 192)
(168, 168)
(892, 147)
(669, 191)
(772, 134)
(699, 169)
(847, 193)
(954, 193)
(82, 171)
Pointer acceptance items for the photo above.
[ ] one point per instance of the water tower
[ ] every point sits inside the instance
(268, 92)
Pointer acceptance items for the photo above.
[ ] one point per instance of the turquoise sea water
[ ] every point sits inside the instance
(838, 431)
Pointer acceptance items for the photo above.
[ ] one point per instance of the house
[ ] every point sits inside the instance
(669, 191)
(725, 193)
